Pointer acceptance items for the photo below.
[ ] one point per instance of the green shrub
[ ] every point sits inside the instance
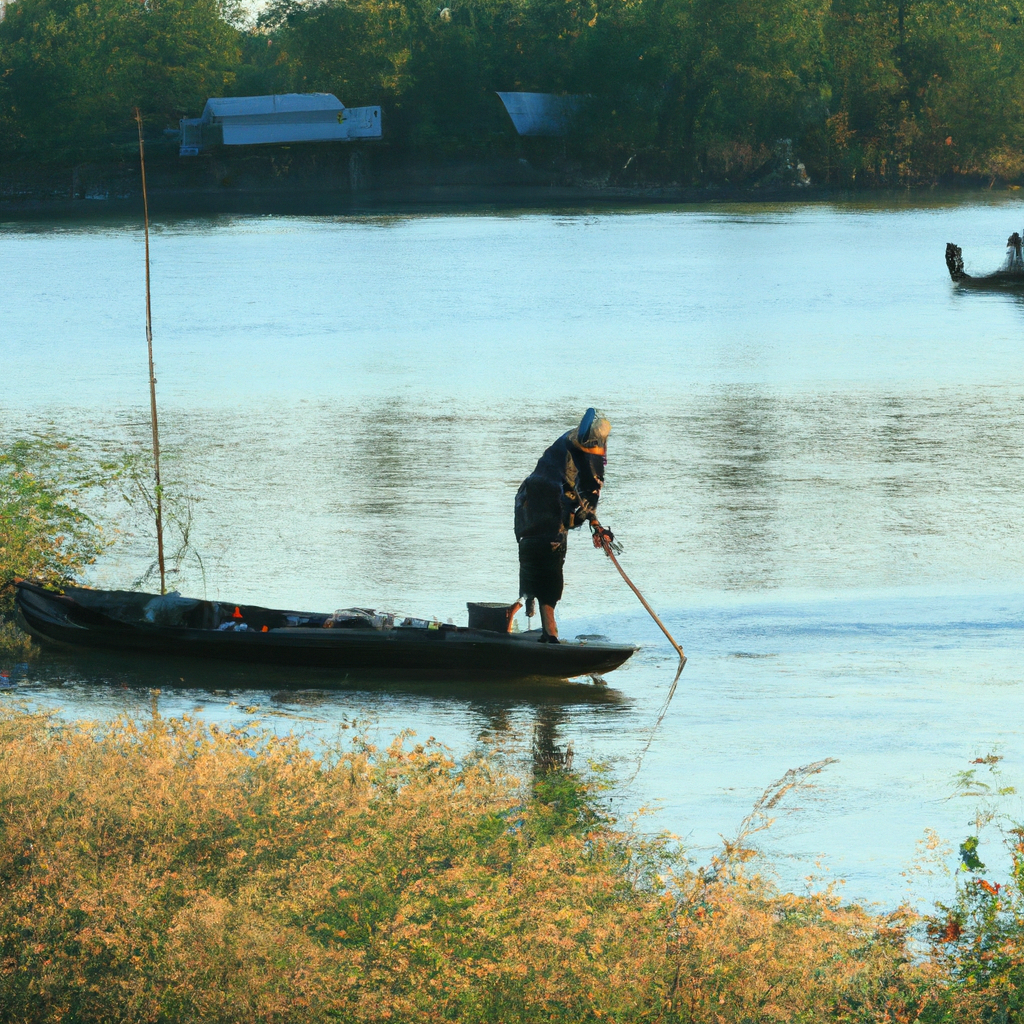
(44, 535)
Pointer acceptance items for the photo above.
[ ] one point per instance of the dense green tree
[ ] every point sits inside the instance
(924, 88)
(868, 91)
(73, 71)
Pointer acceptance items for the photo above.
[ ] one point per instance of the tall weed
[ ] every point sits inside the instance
(172, 871)
(978, 937)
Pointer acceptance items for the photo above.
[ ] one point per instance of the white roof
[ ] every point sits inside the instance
(289, 102)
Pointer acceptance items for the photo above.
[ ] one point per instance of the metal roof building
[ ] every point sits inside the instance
(541, 113)
(290, 117)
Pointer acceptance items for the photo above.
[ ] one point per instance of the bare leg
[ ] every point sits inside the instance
(547, 620)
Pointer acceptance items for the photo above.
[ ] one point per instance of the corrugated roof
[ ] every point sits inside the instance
(541, 113)
(290, 102)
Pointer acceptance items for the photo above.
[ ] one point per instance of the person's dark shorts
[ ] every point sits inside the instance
(540, 569)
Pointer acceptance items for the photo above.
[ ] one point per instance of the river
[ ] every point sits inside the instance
(815, 469)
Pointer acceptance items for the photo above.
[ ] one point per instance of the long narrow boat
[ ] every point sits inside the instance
(356, 641)
(1009, 276)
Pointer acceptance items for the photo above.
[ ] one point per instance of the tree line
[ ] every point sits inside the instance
(691, 91)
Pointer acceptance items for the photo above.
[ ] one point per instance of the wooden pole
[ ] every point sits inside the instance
(152, 376)
(629, 583)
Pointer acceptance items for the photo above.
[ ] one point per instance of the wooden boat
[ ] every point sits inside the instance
(1009, 276)
(356, 640)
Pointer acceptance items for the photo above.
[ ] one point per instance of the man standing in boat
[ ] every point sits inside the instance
(561, 494)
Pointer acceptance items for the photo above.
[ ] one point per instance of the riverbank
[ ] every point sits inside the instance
(422, 199)
(321, 181)
(163, 869)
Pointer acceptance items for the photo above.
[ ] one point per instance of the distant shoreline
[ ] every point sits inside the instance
(368, 181)
(447, 198)
(411, 199)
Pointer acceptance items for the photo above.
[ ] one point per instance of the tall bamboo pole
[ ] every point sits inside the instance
(152, 376)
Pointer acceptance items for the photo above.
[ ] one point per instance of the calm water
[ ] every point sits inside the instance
(815, 469)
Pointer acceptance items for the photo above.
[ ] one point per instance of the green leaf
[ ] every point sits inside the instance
(969, 854)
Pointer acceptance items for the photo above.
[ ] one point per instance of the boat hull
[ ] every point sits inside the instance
(66, 617)
(999, 280)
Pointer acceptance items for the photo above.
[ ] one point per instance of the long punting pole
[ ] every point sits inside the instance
(152, 376)
(629, 583)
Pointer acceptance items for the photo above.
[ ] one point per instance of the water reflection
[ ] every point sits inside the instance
(911, 454)
(385, 468)
(742, 452)
(525, 720)
(816, 455)
(107, 676)
(547, 753)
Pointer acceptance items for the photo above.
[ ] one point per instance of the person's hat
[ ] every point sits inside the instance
(592, 433)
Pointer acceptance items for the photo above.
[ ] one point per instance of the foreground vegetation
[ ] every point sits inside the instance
(869, 91)
(169, 871)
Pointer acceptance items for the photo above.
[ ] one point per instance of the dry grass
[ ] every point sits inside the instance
(168, 871)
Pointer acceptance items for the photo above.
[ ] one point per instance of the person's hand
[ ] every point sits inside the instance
(603, 537)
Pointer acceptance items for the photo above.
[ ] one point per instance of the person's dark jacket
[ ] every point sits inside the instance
(561, 493)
